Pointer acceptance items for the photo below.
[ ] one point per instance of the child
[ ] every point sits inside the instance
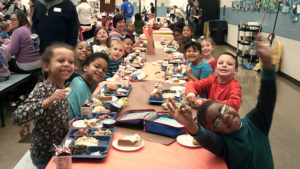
(177, 34)
(187, 31)
(128, 44)
(94, 70)
(222, 86)
(207, 45)
(4, 71)
(138, 24)
(130, 32)
(82, 51)
(101, 40)
(48, 105)
(243, 143)
(4, 28)
(197, 68)
(116, 51)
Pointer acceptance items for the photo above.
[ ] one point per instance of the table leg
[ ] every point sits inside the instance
(2, 114)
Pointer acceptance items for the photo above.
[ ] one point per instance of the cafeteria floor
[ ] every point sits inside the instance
(284, 135)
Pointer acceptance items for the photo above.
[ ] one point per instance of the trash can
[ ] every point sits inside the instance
(218, 31)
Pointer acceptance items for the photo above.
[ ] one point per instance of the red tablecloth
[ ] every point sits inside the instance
(152, 155)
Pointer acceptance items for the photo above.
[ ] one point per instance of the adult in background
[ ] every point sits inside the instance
(119, 27)
(152, 8)
(188, 10)
(127, 10)
(27, 58)
(84, 13)
(195, 19)
(55, 21)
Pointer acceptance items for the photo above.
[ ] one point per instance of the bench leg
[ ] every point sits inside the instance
(2, 114)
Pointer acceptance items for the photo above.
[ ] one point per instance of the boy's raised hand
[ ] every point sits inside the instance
(264, 52)
(183, 116)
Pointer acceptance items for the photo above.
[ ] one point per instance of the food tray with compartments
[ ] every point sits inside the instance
(102, 147)
(114, 93)
(160, 100)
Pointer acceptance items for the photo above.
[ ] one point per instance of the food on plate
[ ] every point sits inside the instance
(130, 141)
(175, 80)
(87, 141)
(82, 132)
(177, 69)
(156, 93)
(185, 78)
(195, 142)
(178, 104)
(105, 116)
(78, 149)
(169, 73)
(100, 132)
(92, 123)
(112, 87)
(68, 90)
(136, 61)
(100, 109)
(122, 101)
(96, 102)
(168, 94)
(104, 98)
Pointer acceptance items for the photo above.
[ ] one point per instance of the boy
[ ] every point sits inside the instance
(222, 86)
(243, 143)
(4, 28)
(116, 51)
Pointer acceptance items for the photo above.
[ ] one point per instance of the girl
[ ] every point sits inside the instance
(94, 70)
(128, 43)
(207, 45)
(119, 27)
(187, 32)
(197, 68)
(101, 40)
(48, 105)
(82, 51)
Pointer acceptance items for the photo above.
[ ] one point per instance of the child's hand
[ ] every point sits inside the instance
(263, 50)
(191, 98)
(182, 115)
(198, 102)
(58, 95)
(188, 70)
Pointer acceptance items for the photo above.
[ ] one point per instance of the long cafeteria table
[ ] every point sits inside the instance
(152, 154)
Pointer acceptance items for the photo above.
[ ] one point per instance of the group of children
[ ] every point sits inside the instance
(51, 106)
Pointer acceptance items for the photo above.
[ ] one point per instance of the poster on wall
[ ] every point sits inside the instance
(293, 12)
(264, 5)
(285, 6)
(235, 5)
(273, 6)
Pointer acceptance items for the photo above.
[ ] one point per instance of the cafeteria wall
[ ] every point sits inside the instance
(287, 33)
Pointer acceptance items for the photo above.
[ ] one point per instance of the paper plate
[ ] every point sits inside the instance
(127, 148)
(186, 140)
(180, 81)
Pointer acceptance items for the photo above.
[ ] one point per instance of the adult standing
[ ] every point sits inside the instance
(195, 18)
(84, 11)
(55, 21)
(127, 10)
(152, 8)
(119, 27)
(27, 58)
(188, 10)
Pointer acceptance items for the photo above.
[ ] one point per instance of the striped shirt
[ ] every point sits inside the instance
(113, 67)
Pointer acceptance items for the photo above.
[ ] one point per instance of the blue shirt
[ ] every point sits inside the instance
(203, 70)
(80, 92)
(113, 67)
(4, 35)
(128, 9)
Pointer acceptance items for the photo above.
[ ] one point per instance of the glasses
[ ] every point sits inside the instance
(219, 120)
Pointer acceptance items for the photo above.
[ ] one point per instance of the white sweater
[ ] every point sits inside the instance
(84, 13)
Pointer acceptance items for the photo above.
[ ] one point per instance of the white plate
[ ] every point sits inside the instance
(178, 88)
(127, 148)
(186, 140)
(180, 81)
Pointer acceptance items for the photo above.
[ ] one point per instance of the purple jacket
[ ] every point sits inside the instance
(21, 46)
(4, 71)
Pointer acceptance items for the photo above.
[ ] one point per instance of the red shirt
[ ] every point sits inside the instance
(213, 64)
(228, 93)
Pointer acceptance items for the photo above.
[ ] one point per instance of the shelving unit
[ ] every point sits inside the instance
(246, 34)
